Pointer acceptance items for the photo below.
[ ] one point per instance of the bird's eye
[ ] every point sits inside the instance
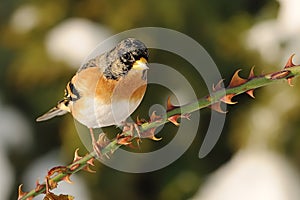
(126, 57)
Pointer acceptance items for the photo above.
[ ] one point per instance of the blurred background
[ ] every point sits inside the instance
(42, 43)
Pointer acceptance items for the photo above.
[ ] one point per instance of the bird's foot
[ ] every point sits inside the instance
(132, 127)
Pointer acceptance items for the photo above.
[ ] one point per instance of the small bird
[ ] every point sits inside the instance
(107, 89)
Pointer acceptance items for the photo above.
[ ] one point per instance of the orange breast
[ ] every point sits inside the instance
(97, 92)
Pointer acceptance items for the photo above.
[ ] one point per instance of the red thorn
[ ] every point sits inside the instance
(76, 156)
(152, 135)
(88, 169)
(217, 107)
(290, 62)
(22, 194)
(139, 121)
(170, 106)
(218, 86)
(91, 162)
(251, 75)
(250, 93)
(173, 119)
(290, 81)
(67, 179)
(124, 140)
(39, 186)
(227, 99)
(155, 138)
(236, 80)
(154, 117)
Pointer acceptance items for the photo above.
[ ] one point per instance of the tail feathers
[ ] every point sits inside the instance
(51, 113)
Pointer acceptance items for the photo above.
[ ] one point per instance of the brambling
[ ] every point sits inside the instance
(107, 89)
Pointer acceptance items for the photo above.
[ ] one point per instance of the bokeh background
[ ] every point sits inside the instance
(42, 43)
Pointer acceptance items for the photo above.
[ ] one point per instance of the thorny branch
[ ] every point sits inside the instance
(146, 129)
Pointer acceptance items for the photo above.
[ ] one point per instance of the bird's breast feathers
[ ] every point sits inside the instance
(104, 102)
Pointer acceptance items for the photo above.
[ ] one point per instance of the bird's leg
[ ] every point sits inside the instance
(95, 145)
(99, 144)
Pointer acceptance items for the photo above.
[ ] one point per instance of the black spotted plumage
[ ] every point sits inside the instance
(118, 61)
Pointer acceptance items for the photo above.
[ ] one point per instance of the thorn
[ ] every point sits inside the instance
(154, 117)
(217, 107)
(152, 135)
(289, 80)
(236, 80)
(250, 93)
(88, 169)
(139, 121)
(170, 106)
(290, 62)
(218, 86)
(76, 156)
(67, 179)
(251, 75)
(91, 162)
(124, 140)
(155, 138)
(227, 99)
(173, 119)
(21, 193)
(38, 186)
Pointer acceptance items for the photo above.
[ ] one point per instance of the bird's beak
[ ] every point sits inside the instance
(140, 64)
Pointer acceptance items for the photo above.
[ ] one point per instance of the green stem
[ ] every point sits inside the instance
(251, 84)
